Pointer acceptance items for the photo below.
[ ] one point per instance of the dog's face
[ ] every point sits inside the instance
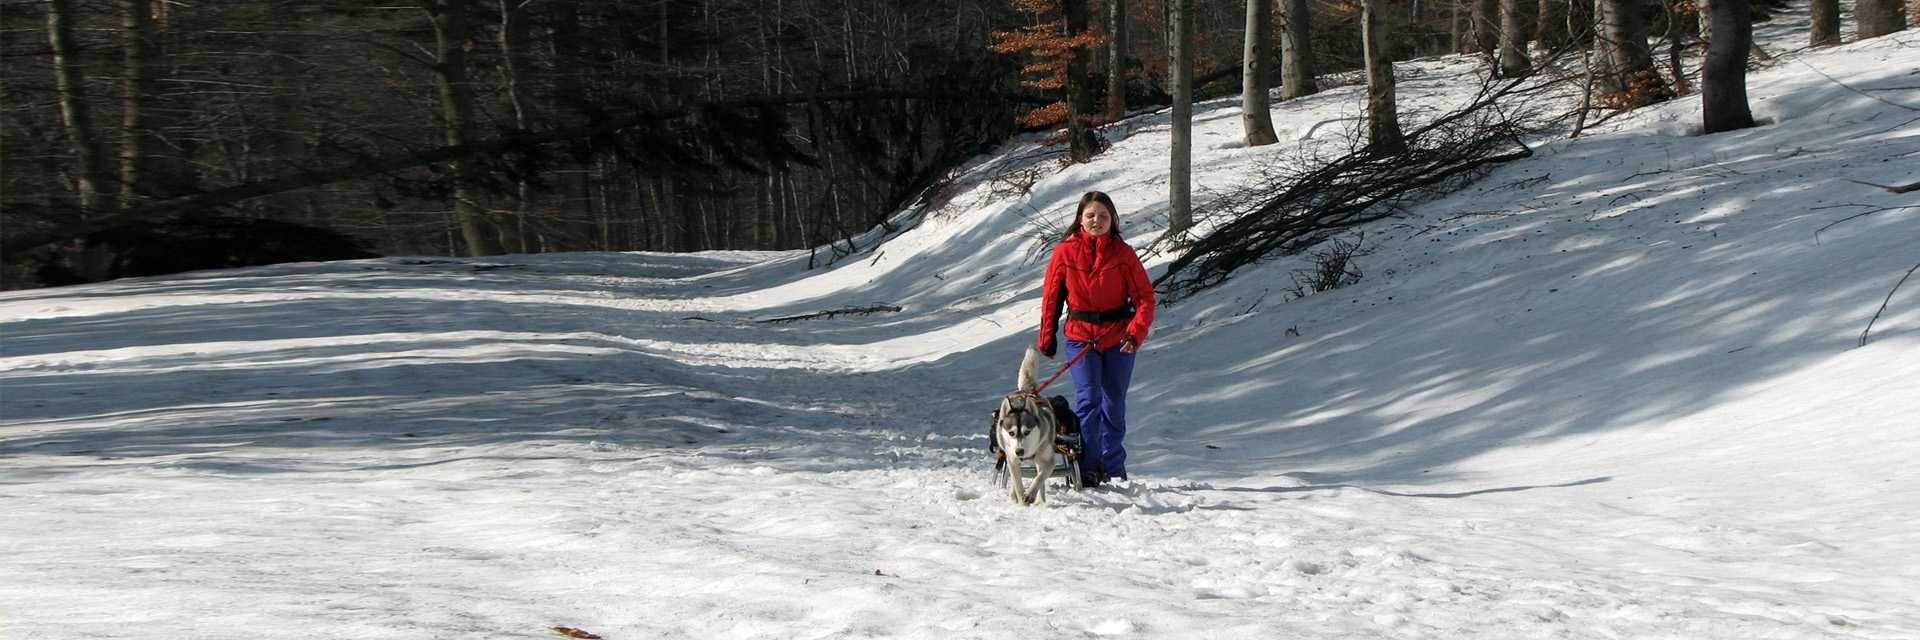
(1025, 428)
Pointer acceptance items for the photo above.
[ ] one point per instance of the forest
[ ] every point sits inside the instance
(151, 136)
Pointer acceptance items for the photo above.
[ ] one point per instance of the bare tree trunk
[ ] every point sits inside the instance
(1116, 60)
(1825, 23)
(1724, 75)
(1254, 108)
(513, 62)
(76, 114)
(1179, 181)
(1296, 52)
(1383, 120)
(766, 227)
(1680, 29)
(289, 138)
(139, 76)
(1580, 22)
(456, 112)
(1513, 40)
(574, 189)
(1553, 26)
(1625, 66)
(1081, 140)
(1454, 45)
(1879, 17)
(1486, 30)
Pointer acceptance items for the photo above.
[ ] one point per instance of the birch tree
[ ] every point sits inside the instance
(1180, 58)
(1383, 120)
(1255, 113)
(1513, 40)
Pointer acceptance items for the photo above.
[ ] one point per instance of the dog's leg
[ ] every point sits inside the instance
(1043, 469)
(1014, 489)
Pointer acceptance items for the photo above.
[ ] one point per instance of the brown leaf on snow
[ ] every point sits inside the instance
(574, 633)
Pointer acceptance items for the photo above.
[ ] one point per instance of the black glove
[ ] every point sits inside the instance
(1048, 346)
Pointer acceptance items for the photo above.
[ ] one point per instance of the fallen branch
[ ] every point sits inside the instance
(1296, 211)
(1905, 188)
(878, 308)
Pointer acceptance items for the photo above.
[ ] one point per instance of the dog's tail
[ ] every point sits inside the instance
(1029, 370)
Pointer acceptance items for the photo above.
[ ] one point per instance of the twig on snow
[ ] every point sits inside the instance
(1863, 214)
(1883, 304)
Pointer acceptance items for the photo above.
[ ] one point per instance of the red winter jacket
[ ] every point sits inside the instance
(1096, 273)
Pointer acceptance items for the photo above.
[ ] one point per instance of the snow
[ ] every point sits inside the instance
(1611, 391)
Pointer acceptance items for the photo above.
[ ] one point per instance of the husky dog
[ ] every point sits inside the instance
(1025, 428)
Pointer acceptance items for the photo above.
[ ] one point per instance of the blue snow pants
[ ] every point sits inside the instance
(1100, 383)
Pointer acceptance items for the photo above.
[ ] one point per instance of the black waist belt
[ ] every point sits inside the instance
(1109, 315)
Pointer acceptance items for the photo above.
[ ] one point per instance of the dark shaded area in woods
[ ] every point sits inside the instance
(474, 127)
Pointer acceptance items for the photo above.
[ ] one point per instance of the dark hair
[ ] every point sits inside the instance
(1094, 196)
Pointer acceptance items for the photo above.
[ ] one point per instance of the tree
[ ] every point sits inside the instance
(1179, 188)
(1683, 22)
(1056, 47)
(1081, 138)
(1624, 69)
(1825, 18)
(1254, 109)
(1580, 22)
(1486, 30)
(1880, 17)
(76, 113)
(1296, 52)
(1383, 120)
(513, 42)
(1723, 89)
(451, 41)
(1514, 34)
(139, 77)
(1553, 26)
(1116, 60)
(274, 110)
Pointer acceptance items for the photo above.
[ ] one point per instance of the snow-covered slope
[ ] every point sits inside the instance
(1612, 391)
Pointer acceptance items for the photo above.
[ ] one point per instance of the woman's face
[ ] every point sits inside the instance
(1096, 219)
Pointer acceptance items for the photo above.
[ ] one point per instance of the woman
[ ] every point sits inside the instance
(1109, 308)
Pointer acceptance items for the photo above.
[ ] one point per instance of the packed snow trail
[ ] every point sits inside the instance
(469, 480)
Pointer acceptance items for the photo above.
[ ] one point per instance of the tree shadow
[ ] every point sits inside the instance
(1308, 488)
